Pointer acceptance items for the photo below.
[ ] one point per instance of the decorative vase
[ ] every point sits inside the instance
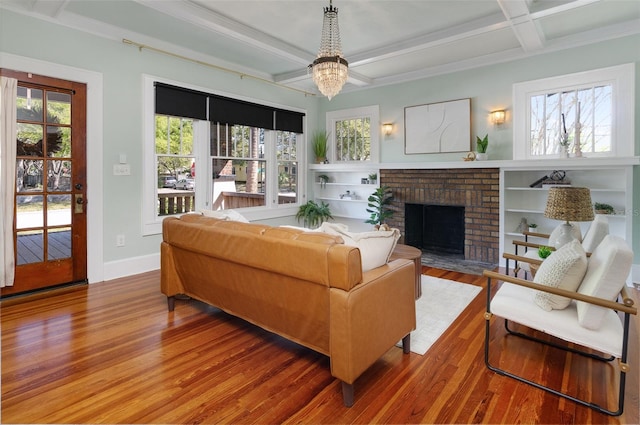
(564, 153)
(482, 156)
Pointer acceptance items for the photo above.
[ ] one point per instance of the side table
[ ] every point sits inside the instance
(411, 253)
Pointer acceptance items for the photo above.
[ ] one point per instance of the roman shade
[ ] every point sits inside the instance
(183, 102)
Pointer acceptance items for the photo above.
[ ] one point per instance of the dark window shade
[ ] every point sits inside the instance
(237, 112)
(289, 121)
(180, 102)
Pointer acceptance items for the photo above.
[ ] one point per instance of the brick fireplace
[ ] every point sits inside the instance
(475, 189)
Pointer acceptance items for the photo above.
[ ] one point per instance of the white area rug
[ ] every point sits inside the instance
(441, 303)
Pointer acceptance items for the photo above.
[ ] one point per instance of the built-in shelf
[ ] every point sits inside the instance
(345, 191)
(609, 183)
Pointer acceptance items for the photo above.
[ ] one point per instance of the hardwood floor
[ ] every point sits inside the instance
(111, 353)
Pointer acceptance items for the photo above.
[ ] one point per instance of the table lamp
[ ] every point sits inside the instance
(568, 204)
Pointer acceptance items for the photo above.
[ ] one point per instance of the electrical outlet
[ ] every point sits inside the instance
(120, 240)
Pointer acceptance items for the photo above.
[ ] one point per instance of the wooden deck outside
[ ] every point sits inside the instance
(30, 247)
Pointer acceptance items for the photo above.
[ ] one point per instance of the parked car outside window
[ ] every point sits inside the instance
(185, 184)
(167, 182)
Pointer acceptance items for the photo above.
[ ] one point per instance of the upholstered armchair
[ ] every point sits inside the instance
(579, 300)
(598, 229)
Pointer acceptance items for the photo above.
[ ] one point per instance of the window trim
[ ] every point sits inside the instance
(151, 222)
(373, 112)
(622, 81)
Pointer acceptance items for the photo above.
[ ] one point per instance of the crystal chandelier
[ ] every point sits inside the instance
(330, 70)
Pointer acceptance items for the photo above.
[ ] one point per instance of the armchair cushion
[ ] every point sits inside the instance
(563, 269)
(598, 229)
(609, 266)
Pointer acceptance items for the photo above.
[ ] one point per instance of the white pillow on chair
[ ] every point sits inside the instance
(598, 229)
(563, 269)
(606, 275)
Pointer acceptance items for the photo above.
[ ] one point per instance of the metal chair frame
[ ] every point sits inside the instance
(627, 310)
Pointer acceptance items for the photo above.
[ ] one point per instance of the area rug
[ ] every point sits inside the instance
(441, 303)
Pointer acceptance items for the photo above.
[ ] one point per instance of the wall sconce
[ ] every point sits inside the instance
(497, 117)
(387, 128)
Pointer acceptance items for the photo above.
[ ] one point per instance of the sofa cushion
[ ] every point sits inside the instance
(605, 277)
(230, 215)
(375, 246)
(563, 269)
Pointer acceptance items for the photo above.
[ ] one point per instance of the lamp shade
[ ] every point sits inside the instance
(569, 204)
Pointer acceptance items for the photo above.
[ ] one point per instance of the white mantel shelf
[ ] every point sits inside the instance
(502, 164)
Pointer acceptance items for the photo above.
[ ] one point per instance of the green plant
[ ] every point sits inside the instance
(373, 176)
(378, 204)
(603, 208)
(481, 144)
(544, 251)
(320, 144)
(324, 179)
(533, 225)
(314, 214)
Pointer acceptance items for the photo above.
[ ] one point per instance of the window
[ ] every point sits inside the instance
(204, 151)
(175, 161)
(241, 157)
(590, 113)
(352, 136)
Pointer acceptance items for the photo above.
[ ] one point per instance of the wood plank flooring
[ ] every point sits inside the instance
(111, 353)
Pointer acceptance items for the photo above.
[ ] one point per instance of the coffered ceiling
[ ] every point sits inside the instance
(385, 41)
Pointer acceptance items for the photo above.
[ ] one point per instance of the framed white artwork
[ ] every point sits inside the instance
(438, 127)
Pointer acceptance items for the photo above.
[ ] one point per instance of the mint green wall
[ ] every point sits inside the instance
(490, 88)
(122, 67)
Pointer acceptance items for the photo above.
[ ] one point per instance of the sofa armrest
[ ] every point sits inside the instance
(368, 320)
(621, 307)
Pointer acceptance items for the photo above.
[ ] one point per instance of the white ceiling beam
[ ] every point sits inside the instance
(449, 35)
(303, 74)
(522, 24)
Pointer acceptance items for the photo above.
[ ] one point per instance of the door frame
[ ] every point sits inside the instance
(95, 202)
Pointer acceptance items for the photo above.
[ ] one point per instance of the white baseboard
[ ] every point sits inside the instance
(131, 266)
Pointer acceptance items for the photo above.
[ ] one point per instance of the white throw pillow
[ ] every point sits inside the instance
(609, 266)
(230, 215)
(563, 269)
(598, 229)
(375, 246)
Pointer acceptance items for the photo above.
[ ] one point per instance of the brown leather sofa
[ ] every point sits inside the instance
(305, 286)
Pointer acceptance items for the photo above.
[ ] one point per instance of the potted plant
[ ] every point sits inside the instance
(532, 227)
(373, 178)
(320, 144)
(314, 214)
(481, 148)
(544, 252)
(378, 203)
(323, 180)
(602, 208)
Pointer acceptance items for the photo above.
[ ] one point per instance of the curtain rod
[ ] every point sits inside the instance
(210, 65)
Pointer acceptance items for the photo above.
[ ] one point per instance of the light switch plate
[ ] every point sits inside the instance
(121, 170)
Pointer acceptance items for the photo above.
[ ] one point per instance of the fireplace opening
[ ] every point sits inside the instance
(435, 228)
